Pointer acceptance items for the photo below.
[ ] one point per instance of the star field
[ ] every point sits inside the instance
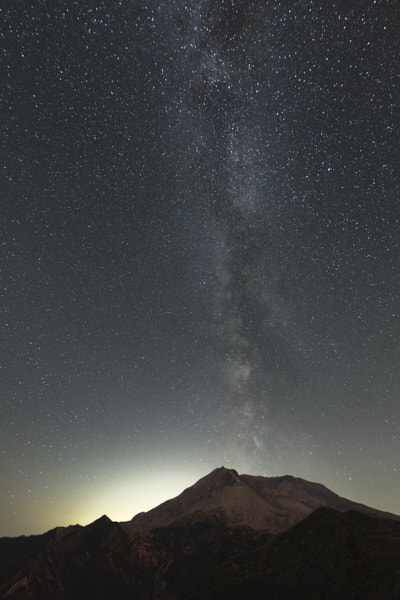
(200, 251)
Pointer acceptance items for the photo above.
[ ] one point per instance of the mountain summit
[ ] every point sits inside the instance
(270, 504)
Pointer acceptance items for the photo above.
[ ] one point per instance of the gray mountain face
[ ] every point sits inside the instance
(270, 504)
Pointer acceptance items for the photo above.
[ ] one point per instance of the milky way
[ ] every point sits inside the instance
(200, 258)
(226, 173)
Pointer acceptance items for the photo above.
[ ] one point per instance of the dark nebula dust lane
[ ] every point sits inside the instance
(200, 252)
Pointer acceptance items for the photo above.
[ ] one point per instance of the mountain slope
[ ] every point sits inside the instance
(82, 562)
(270, 504)
(104, 561)
(328, 555)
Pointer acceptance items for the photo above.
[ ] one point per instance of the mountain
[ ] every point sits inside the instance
(227, 537)
(329, 555)
(270, 504)
(104, 561)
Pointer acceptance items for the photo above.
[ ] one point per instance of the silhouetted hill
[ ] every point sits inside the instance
(328, 555)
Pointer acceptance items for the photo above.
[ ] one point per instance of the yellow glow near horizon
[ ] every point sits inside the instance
(122, 501)
(120, 493)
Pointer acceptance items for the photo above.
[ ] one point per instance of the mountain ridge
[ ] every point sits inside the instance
(226, 537)
(270, 504)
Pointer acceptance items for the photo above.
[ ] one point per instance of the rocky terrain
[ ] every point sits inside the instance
(229, 536)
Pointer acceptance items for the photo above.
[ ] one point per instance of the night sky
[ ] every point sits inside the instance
(200, 251)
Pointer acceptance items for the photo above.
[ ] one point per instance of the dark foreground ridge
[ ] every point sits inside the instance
(228, 536)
